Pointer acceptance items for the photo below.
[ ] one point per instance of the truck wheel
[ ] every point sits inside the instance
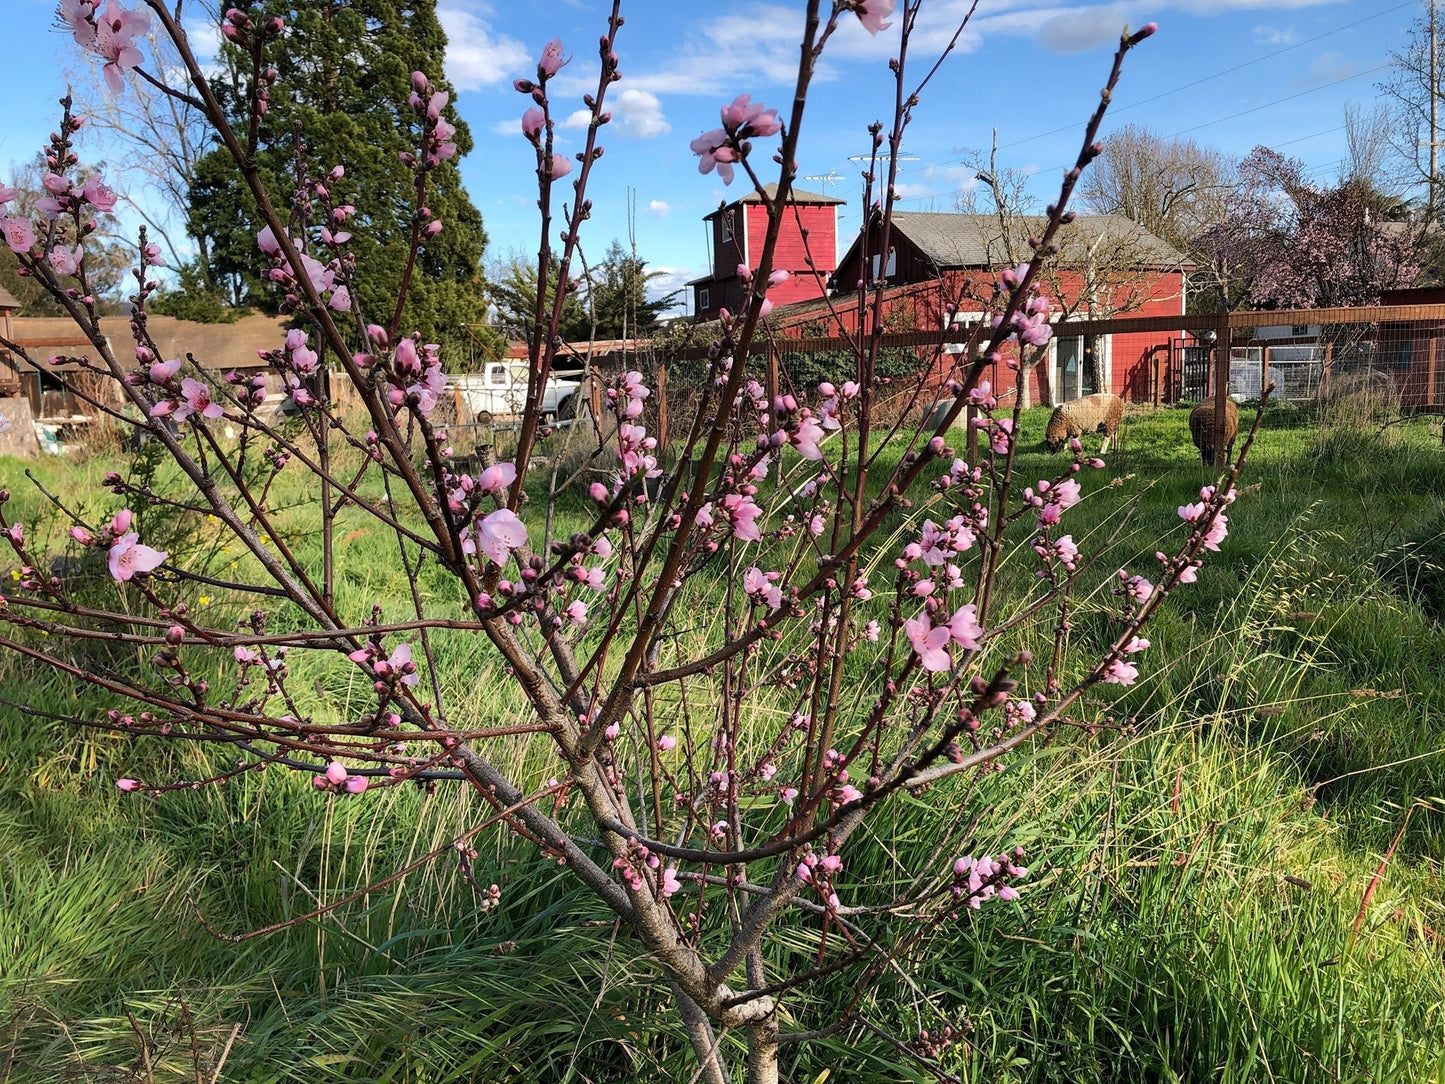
(483, 417)
(567, 409)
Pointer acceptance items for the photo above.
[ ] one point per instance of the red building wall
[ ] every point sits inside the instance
(922, 306)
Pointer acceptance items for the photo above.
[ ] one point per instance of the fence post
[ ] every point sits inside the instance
(1430, 389)
(662, 408)
(1221, 386)
(1264, 369)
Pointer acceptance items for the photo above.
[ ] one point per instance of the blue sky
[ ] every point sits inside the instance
(1228, 73)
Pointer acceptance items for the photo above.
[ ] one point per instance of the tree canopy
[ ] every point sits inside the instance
(344, 77)
(1286, 242)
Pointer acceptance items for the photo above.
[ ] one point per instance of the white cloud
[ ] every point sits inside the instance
(1274, 35)
(638, 114)
(669, 280)
(476, 56)
(1327, 68)
(657, 208)
(1079, 30)
(755, 46)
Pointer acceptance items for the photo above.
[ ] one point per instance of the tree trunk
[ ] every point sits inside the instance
(704, 1041)
(763, 1051)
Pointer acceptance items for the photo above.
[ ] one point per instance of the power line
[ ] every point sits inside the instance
(1226, 71)
(1277, 101)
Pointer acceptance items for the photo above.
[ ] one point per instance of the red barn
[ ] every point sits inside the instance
(807, 246)
(941, 269)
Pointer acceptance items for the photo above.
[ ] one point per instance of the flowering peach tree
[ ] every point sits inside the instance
(713, 777)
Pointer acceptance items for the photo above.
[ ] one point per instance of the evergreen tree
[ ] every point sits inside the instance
(344, 77)
(618, 296)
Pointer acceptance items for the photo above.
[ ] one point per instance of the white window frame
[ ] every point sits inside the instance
(890, 269)
(704, 299)
(1103, 346)
(966, 321)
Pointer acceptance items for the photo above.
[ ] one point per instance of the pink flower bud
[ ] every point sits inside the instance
(336, 773)
(128, 785)
(355, 784)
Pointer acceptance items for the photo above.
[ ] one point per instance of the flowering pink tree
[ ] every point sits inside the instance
(717, 776)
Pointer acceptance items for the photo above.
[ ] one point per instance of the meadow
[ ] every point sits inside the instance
(1236, 862)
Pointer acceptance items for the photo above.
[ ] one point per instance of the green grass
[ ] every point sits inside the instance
(1297, 718)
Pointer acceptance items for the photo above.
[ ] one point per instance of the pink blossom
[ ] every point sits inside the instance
(931, 644)
(340, 300)
(713, 152)
(127, 557)
(670, 883)
(81, 535)
(18, 234)
(560, 167)
(266, 239)
(552, 59)
(762, 586)
(499, 533)
(807, 437)
(871, 14)
(1217, 532)
(115, 31)
(399, 662)
(196, 399)
(497, 477)
(336, 772)
(64, 259)
(1120, 672)
(744, 514)
(120, 522)
(128, 785)
(1066, 494)
(356, 784)
(870, 632)
(666, 743)
(16, 533)
(100, 195)
(1135, 645)
(576, 611)
(964, 628)
(744, 117)
(532, 122)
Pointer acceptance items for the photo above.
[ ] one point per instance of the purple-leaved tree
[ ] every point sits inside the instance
(720, 773)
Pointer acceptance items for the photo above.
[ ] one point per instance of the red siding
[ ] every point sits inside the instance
(922, 306)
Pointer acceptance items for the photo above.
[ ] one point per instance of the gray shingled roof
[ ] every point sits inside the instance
(959, 240)
(796, 195)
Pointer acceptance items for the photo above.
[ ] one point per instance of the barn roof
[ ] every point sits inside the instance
(954, 241)
(770, 190)
(220, 347)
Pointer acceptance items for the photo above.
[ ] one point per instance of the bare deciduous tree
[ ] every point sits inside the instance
(1174, 188)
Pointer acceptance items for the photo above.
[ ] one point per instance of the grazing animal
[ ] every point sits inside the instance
(1201, 429)
(1100, 413)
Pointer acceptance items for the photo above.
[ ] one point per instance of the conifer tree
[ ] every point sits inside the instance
(343, 77)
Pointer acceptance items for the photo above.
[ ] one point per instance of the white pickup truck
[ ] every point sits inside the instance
(499, 392)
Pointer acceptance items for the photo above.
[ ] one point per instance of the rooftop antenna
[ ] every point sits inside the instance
(832, 177)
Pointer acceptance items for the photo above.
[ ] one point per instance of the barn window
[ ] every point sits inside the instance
(704, 300)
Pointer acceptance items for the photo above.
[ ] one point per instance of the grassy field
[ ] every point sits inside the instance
(1199, 870)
